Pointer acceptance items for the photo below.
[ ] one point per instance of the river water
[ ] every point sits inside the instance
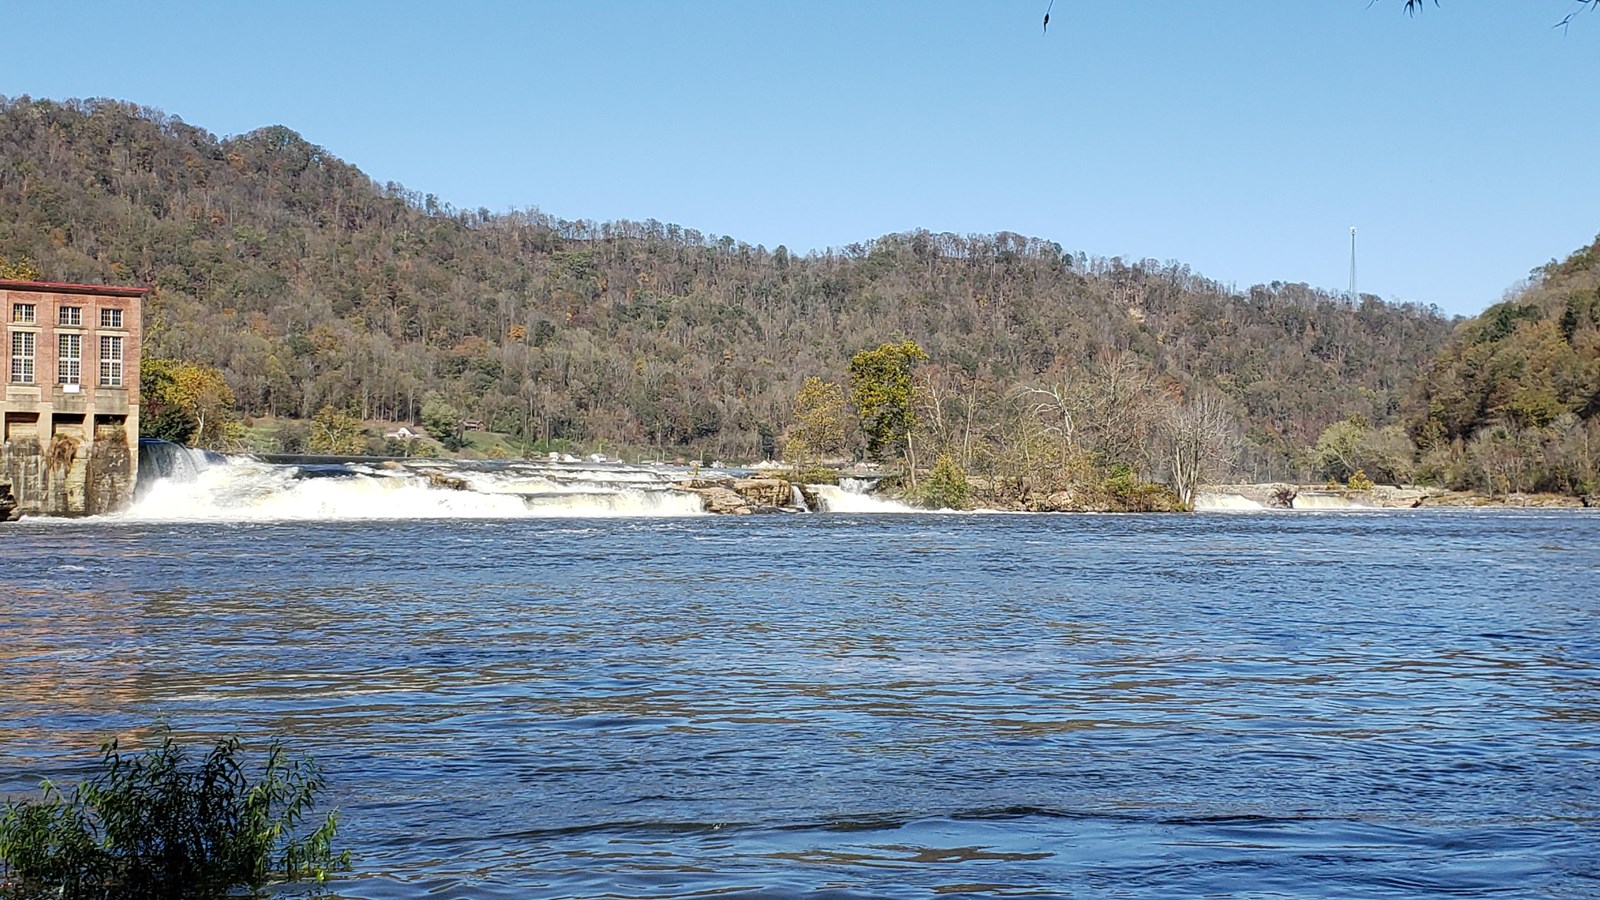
(1396, 704)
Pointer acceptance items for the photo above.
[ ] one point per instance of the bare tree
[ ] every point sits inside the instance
(1204, 440)
(1124, 409)
(1058, 408)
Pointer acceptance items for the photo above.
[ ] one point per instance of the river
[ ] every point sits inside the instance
(1385, 704)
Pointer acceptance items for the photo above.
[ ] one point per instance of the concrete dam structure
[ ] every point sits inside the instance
(69, 415)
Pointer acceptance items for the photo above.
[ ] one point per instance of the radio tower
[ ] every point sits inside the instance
(1353, 266)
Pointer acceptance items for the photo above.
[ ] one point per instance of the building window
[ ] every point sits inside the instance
(111, 318)
(69, 358)
(111, 361)
(22, 349)
(22, 313)
(70, 315)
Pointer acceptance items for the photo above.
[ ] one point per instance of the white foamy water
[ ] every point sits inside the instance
(1208, 502)
(246, 490)
(1309, 500)
(179, 484)
(838, 500)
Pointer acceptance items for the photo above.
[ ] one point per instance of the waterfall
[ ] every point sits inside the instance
(858, 485)
(186, 485)
(1325, 500)
(165, 461)
(1219, 502)
(836, 499)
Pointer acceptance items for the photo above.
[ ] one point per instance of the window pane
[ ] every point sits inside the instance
(111, 361)
(22, 346)
(69, 358)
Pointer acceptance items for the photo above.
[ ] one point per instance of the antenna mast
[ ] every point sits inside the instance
(1353, 295)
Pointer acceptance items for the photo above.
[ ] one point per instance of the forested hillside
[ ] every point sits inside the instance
(1512, 402)
(311, 286)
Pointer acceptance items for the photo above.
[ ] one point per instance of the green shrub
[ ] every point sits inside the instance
(946, 487)
(815, 475)
(154, 826)
(1122, 491)
(1359, 481)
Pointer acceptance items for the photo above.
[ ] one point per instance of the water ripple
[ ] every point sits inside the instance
(1393, 705)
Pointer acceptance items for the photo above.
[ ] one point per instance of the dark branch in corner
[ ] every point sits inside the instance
(1415, 6)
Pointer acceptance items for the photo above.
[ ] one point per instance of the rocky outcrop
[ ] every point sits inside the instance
(1096, 498)
(773, 492)
(441, 481)
(1467, 500)
(1314, 497)
(8, 504)
(1389, 497)
(724, 501)
(747, 496)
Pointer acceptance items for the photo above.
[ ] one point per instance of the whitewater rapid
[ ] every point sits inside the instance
(179, 484)
(248, 490)
(852, 498)
(1206, 501)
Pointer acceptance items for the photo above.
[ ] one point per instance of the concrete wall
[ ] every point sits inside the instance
(69, 448)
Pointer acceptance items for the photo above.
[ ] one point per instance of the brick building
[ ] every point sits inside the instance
(69, 416)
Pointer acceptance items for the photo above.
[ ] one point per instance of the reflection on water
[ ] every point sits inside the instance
(1397, 704)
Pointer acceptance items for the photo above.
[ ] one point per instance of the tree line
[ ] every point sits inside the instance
(310, 287)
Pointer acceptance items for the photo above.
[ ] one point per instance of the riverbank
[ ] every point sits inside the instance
(729, 495)
(1282, 496)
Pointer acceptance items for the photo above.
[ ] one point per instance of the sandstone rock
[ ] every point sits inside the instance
(774, 492)
(446, 482)
(1059, 501)
(726, 501)
(1389, 497)
(1508, 501)
(745, 496)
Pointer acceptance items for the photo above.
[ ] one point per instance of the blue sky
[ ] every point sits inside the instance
(1243, 137)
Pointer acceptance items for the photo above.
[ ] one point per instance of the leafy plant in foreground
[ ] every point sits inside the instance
(153, 825)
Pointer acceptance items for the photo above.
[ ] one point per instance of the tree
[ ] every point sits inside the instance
(20, 269)
(1203, 441)
(881, 389)
(336, 433)
(1339, 448)
(309, 285)
(443, 421)
(817, 428)
(1059, 408)
(946, 487)
(1386, 455)
(1123, 414)
(766, 440)
(185, 402)
(204, 392)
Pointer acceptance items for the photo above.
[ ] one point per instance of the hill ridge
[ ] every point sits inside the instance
(310, 284)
